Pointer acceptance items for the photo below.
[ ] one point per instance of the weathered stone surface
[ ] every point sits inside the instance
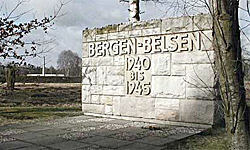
(89, 75)
(168, 86)
(95, 99)
(108, 110)
(146, 24)
(161, 64)
(113, 90)
(124, 27)
(85, 52)
(96, 89)
(89, 35)
(101, 37)
(112, 36)
(167, 109)
(137, 107)
(93, 108)
(107, 100)
(119, 61)
(206, 40)
(123, 35)
(116, 105)
(197, 111)
(115, 80)
(200, 75)
(195, 57)
(161, 72)
(135, 33)
(203, 22)
(152, 31)
(201, 93)
(102, 61)
(173, 25)
(178, 70)
(115, 71)
(86, 62)
(101, 75)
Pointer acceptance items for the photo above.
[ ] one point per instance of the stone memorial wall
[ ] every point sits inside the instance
(160, 70)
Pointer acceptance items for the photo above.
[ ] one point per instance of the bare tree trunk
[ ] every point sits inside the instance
(10, 77)
(229, 71)
(134, 11)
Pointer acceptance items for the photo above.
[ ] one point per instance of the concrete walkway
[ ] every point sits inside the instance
(91, 133)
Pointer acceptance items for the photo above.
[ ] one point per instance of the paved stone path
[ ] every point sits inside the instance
(90, 133)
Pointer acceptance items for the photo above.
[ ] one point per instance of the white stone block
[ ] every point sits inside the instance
(89, 75)
(201, 93)
(161, 64)
(115, 70)
(125, 27)
(115, 80)
(163, 103)
(95, 99)
(200, 75)
(207, 40)
(86, 62)
(85, 52)
(86, 97)
(116, 105)
(195, 57)
(153, 31)
(102, 61)
(178, 70)
(113, 36)
(114, 90)
(138, 107)
(106, 100)
(101, 75)
(93, 108)
(119, 60)
(96, 89)
(195, 111)
(135, 33)
(89, 35)
(176, 25)
(101, 37)
(168, 86)
(123, 35)
(203, 22)
(108, 110)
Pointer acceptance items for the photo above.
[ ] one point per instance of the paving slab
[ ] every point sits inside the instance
(139, 146)
(158, 141)
(68, 145)
(44, 141)
(37, 128)
(13, 145)
(54, 132)
(111, 143)
(92, 139)
(75, 135)
(91, 133)
(27, 135)
(34, 147)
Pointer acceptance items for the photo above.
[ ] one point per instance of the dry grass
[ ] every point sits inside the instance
(32, 102)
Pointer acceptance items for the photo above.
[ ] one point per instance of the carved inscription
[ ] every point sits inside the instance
(138, 75)
(151, 44)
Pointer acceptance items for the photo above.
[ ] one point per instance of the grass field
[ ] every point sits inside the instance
(33, 102)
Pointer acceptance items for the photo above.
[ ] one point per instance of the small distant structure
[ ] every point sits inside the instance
(44, 74)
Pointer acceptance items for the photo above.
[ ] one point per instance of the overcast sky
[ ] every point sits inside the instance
(80, 14)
